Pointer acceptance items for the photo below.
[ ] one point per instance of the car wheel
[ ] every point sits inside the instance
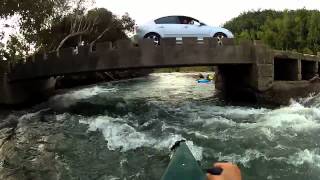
(220, 35)
(156, 38)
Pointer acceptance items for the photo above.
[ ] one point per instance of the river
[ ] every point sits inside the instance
(123, 130)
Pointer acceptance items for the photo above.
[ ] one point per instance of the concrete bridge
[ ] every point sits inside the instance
(123, 55)
(248, 68)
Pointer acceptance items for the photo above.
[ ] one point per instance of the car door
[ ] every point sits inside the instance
(193, 28)
(168, 26)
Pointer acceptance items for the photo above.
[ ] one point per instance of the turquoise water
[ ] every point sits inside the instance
(123, 130)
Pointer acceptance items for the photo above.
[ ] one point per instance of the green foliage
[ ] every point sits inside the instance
(98, 20)
(35, 16)
(17, 48)
(249, 24)
(297, 30)
(3, 53)
(2, 48)
(45, 23)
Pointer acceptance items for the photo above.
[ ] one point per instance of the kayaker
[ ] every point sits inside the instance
(230, 172)
(210, 77)
(201, 76)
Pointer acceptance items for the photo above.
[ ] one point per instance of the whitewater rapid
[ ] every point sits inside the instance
(139, 120)
(287, 121)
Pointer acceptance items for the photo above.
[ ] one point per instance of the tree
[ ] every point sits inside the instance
(297, 30)
(3, 53)
(313, 38)
(250, 23)
(37, 16)
(86, 29)
(63, 29)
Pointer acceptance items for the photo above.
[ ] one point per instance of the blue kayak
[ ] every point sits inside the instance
(203, 81)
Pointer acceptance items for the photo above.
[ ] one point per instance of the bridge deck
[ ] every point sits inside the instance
(124, 55)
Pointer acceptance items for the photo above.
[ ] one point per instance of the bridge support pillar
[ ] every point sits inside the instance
(21, 92)
(308, 69)
(233, 82)
(262, 72)
(245, 82)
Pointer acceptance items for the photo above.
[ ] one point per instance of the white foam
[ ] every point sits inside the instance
(165, 126)
(121, 136)
(217, 120)
(244, 159)
(268, 133)
(306, 100)
(198, 134)
(168, 141)
(62, 117)
(295, 118)
(311, 157)
(234, 112)
(124, 137)
(70, 98)
(195, 150)
(242, 113)
(30, 116)
(113, 178)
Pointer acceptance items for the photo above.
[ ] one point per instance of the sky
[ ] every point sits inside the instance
(212, 12)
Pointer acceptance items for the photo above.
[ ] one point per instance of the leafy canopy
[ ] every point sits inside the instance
(44, 24)
(297, 30)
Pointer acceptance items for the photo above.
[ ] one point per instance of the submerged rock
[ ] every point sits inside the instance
(26, 150)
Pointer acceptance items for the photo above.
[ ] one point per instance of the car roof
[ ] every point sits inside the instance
(176, 16)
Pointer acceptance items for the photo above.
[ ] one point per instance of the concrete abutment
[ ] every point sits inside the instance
(275, 77)
(23, 92)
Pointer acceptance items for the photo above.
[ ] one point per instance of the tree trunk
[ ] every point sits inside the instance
(99, 37)
(68, 37)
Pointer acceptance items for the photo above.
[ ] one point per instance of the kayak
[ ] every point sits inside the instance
(183, 166)
(203, 81)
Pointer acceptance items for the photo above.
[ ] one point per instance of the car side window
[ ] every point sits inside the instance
(184, 20)
(187, 20)
(168, 20)
(195, 22)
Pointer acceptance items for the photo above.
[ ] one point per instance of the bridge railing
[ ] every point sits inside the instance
(123, 54)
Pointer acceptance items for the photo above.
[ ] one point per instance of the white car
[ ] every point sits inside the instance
(178, 27)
